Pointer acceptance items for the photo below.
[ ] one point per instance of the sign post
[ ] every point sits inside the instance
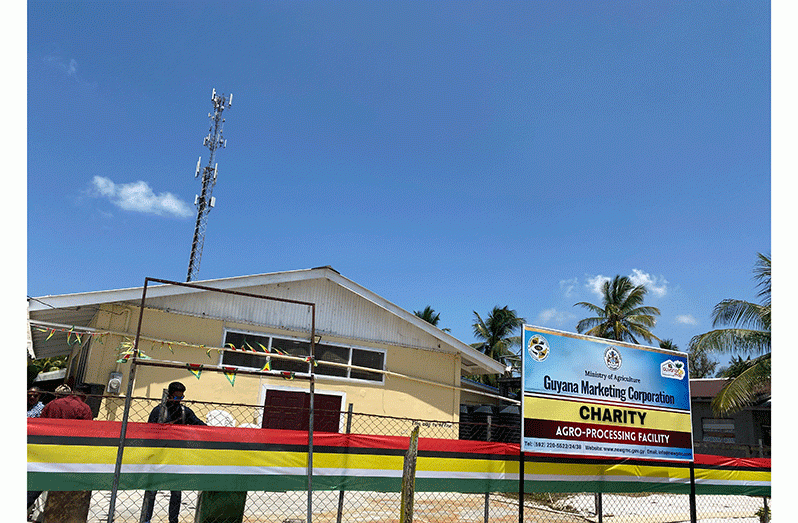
(602, 398)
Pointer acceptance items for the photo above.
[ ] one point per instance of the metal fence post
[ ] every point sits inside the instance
(310, 411)
(520, 484)
(126, 413)
(341, 493)
(693, 508)
(599, 507)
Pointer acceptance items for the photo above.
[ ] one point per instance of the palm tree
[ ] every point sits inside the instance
(700, 365)
(668, 345)
(430, 316)
(497, 333)
(745, 327)
(622, 315)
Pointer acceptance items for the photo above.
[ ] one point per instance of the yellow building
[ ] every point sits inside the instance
(371, 354)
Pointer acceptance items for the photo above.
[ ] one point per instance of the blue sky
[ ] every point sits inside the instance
(461, 155)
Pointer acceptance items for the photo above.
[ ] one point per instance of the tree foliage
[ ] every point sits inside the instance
(430, 316)
(35, 367)
(700, 365)
(497, 335)
(622, 315)
(668, 345)
(744, 327)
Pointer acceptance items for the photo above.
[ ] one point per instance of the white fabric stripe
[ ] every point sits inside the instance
(618, 479)
(90, 468)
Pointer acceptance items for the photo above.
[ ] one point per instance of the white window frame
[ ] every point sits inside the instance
(349, 346)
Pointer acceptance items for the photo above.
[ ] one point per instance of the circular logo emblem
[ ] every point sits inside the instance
(538, 348)
(612, 358)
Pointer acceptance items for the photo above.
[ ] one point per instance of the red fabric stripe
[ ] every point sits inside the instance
(111, 429)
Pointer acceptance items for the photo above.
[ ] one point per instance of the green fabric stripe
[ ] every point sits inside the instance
(222, 482)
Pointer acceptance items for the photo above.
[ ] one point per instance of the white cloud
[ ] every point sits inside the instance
(70, 67)
(568, 287)
(595, 284)
(554, 318)
(658, 286)
(139, 197)
(652, 283)
(686, 319)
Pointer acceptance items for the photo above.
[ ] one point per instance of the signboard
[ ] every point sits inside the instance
(595, 397)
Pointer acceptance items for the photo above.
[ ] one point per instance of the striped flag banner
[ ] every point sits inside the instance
(81, 455)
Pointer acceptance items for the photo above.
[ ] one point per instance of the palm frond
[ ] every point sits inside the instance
(741, 313)
(731, 340)
(744, 389)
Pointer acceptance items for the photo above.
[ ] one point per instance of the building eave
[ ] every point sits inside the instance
(78, 309)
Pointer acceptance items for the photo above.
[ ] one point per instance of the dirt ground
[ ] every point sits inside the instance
(379, 507)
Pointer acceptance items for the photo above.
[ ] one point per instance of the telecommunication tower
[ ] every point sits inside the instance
(205, 200)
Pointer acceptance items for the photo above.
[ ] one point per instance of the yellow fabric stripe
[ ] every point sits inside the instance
(732, 475)
(70, 454)
(568, 411)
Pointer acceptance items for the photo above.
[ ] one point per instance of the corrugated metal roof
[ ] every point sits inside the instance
(343, 309)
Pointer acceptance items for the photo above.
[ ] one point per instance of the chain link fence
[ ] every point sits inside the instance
(383, 507)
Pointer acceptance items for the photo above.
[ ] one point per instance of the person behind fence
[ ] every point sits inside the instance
(171, 412)
(35, 405)
(68, 405)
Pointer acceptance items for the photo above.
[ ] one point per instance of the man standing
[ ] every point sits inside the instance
(170, 412)
(67, 406)
(35, 405)
(72, 506)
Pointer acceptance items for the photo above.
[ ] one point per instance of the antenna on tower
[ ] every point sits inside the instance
(205, 201)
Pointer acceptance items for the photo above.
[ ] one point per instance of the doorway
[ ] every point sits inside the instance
(287, 409)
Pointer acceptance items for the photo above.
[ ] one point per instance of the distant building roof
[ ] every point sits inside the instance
(706, 387)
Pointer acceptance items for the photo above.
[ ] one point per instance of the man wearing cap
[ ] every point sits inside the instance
(172, 411)
(67, 406)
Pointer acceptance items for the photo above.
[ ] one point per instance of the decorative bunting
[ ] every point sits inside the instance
(264, 349)
(195, 369)
(267, 365)
(309, 359)
(230, 374)
(287, 375)
(69, 337)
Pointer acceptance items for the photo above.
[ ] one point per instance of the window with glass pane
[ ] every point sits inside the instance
(246, 343)
(300, 349)
(370, 359)
(335, 355)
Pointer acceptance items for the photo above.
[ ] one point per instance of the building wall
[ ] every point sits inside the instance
(748, 423)
(408, 393)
